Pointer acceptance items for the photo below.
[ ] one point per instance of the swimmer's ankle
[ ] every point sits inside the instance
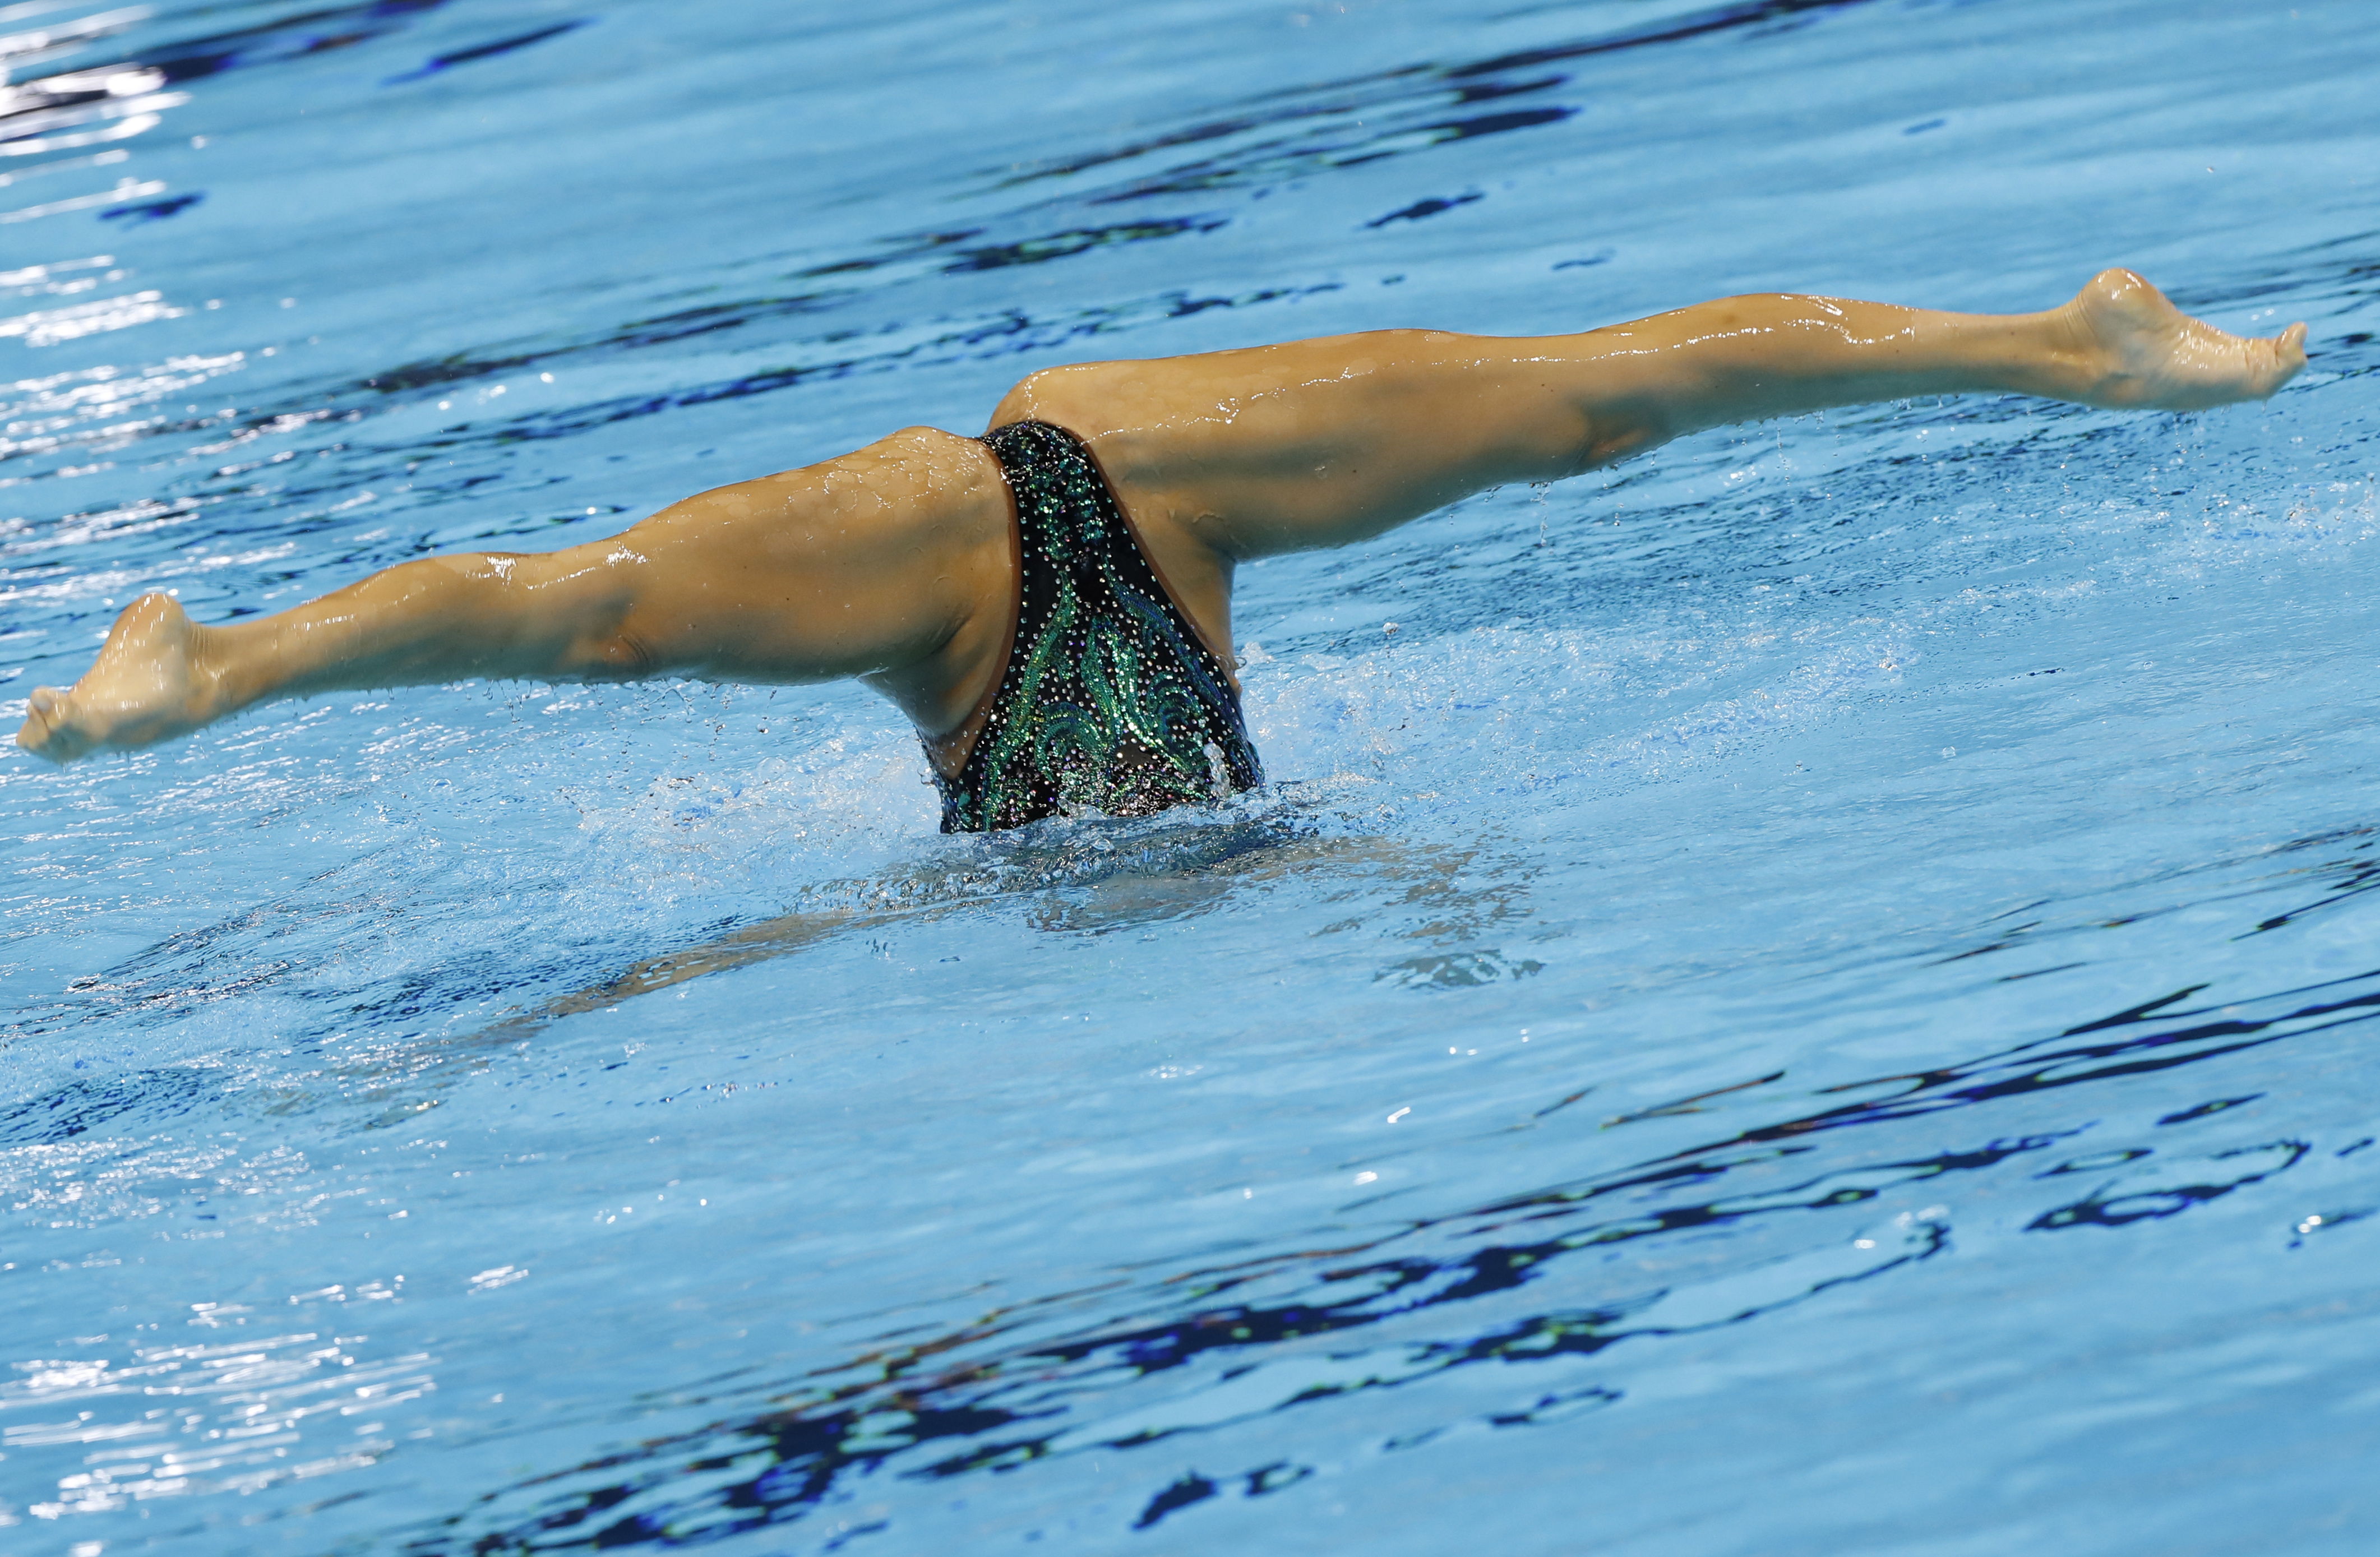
(2140, 352)
(158, 677)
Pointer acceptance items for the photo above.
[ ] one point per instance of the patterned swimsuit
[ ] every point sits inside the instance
(1109, 702)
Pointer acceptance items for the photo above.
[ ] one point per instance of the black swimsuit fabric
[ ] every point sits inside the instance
(1111, 703)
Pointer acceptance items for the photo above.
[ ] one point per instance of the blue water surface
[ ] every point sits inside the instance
(1810, 993)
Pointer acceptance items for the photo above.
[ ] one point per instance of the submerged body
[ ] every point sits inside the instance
(904, 563)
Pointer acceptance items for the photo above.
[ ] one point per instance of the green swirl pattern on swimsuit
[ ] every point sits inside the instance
(1111, 702)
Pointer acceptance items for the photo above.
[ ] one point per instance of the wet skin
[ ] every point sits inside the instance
(896, 564)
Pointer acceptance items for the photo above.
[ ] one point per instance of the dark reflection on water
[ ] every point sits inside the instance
(483, 51)
(1516, 1282)
(296, 36)
(1346, 118)
(1389, 115)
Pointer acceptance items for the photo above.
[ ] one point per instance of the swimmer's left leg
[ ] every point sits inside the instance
(891, 564)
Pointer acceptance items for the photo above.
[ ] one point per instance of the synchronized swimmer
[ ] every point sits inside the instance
(1051, 603)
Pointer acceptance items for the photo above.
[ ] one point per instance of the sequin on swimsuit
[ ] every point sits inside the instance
(1109, 702)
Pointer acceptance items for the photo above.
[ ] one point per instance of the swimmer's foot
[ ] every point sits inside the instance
(2144, 354)
(146, 686)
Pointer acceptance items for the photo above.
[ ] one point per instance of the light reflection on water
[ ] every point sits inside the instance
(1805, 994)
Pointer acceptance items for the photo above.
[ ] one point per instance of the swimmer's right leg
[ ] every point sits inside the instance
(1232, 456)
(891, 564)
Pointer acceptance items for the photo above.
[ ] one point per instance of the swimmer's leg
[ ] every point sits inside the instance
(894, 564)
(758, 943)
(891, 564)
(1236, 455)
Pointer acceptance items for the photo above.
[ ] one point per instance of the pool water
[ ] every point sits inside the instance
(1809, 993)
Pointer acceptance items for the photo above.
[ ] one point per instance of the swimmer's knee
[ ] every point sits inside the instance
(1070, 396)
(1022, 400)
